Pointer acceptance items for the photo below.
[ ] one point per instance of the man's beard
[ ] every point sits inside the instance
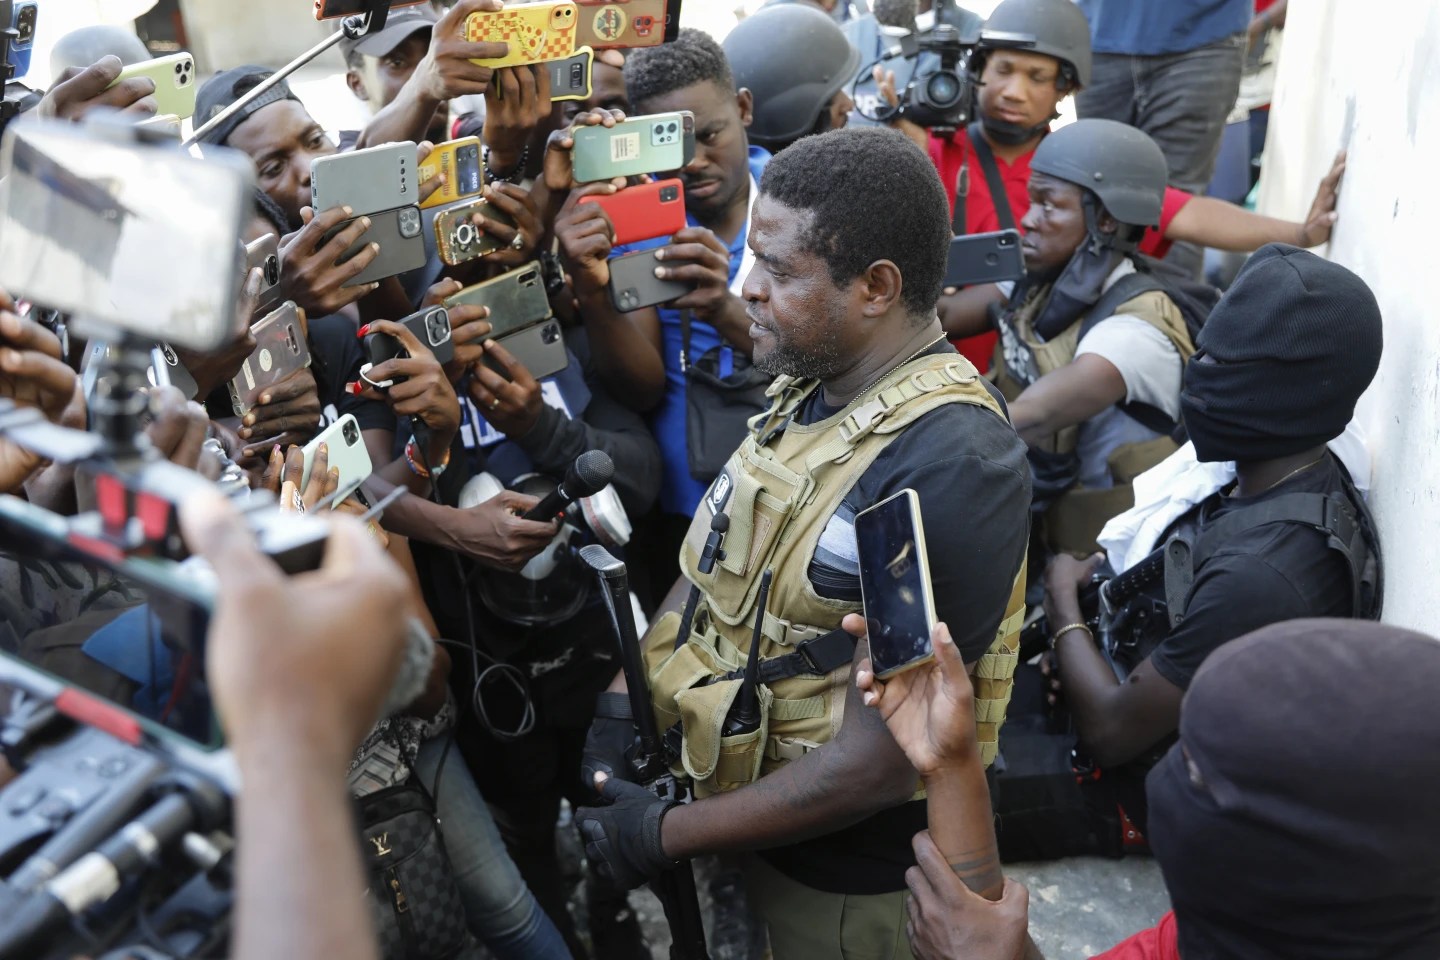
(788, 359)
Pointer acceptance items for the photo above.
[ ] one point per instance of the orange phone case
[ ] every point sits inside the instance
(536, 32)
(459, 160)
(607, 24)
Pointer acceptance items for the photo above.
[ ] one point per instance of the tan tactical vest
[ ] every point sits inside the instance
(779, 491)
(1074, 520)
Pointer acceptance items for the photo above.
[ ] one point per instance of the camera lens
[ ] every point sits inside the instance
(551, 333)
(271, 271)
(351, 432)
(943, 89)
(659, 129)
(671, 128)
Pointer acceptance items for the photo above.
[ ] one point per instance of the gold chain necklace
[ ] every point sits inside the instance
(897, 366)
(1300, 469)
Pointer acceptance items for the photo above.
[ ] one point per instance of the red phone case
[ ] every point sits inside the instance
(646, 211)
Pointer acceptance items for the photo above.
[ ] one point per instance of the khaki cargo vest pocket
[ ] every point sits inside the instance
(714, 761)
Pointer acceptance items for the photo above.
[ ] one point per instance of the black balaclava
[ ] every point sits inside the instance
(1282, 360)
(1299, 813)
(1081, 282)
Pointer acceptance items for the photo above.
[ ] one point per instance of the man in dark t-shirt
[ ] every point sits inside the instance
(871, 400)
(1280, 364)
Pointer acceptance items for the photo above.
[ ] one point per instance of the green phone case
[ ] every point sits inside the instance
(651, 144)
(175, 82)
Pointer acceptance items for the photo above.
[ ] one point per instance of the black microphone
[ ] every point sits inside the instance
(587, 476)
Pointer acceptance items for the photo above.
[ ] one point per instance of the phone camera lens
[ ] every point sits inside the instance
(671, 128)
(551, 334)
(351, 433)
(659, 129)
(271, 271)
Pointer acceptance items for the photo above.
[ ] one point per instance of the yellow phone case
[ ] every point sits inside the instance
(175, 82)
(459, 160)
(536, 32)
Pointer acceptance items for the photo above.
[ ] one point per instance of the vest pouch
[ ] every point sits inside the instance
(1128, 461)
(763, 495)
(715, 762)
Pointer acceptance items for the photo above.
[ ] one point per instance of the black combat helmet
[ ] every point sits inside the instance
(1121, 165)
(794, 59)
(1056, 28)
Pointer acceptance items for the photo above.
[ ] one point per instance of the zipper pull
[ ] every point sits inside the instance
(401, 904)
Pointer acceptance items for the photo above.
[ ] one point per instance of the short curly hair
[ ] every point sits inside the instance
(693, 58)
(874, 196)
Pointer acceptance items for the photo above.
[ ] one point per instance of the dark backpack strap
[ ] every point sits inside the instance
(998, 196)
(685, 321)
(962, 192)
(1330, 514)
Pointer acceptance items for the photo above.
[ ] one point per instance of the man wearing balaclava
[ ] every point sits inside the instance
(1091, 343)
(1278, 370)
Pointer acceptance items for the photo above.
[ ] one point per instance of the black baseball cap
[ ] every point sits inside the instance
(223, 89)
(401, 25)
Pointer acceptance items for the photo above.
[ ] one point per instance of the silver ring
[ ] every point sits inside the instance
(495, 404)
(299, 503)
(519, 242)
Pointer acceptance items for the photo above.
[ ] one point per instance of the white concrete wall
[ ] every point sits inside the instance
(1353, 77)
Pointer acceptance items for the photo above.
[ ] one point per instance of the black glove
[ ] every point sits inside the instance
(609, 742)
(622, 841)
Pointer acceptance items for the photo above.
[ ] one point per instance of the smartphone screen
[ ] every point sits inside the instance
(895, 583)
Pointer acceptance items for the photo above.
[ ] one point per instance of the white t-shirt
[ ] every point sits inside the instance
(1151, 368)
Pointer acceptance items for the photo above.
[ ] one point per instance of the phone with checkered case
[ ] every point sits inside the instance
(535, 32)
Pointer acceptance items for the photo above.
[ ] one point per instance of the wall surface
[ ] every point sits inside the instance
(1349, 78)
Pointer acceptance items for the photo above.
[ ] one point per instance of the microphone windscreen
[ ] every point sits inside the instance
(896, 13)
(592, 472)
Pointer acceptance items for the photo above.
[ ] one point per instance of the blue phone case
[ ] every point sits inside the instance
(20, 48)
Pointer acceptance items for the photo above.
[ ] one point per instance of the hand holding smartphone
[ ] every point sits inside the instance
(174, 79)
(895, 583)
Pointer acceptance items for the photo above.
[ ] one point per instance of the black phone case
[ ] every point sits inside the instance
(634, 286)
(984, 258)
(380, 347)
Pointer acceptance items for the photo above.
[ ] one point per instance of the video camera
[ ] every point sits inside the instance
(940, 94)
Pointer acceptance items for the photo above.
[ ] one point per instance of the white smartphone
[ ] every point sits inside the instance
(895, 583)
(346, 450)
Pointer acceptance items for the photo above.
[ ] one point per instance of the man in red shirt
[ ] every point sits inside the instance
(1034, 54)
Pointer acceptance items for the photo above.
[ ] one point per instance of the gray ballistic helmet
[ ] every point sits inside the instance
(1055, 28)
(794, 59)
(1122, 166)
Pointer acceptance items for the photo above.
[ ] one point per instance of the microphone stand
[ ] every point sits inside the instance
(352, 27)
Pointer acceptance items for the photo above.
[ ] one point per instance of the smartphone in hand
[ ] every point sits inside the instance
(895, 583)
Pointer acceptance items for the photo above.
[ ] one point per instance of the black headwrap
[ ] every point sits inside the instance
(1299, 814)
(1283, 358)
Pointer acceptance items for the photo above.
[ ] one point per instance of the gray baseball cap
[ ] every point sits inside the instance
(402, 23)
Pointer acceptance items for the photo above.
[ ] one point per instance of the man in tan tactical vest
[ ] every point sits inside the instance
(1092, 347)
(850, 237)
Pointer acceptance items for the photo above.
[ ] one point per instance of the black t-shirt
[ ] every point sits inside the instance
(1280, 571)
(969, 469)
(335, 359)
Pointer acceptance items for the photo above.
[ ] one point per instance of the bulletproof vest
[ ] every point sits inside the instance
(1149, 600)
(779, 489)
(1074, 519)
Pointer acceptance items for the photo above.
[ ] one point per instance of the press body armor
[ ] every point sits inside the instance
(1074, 519)
(779, 490)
